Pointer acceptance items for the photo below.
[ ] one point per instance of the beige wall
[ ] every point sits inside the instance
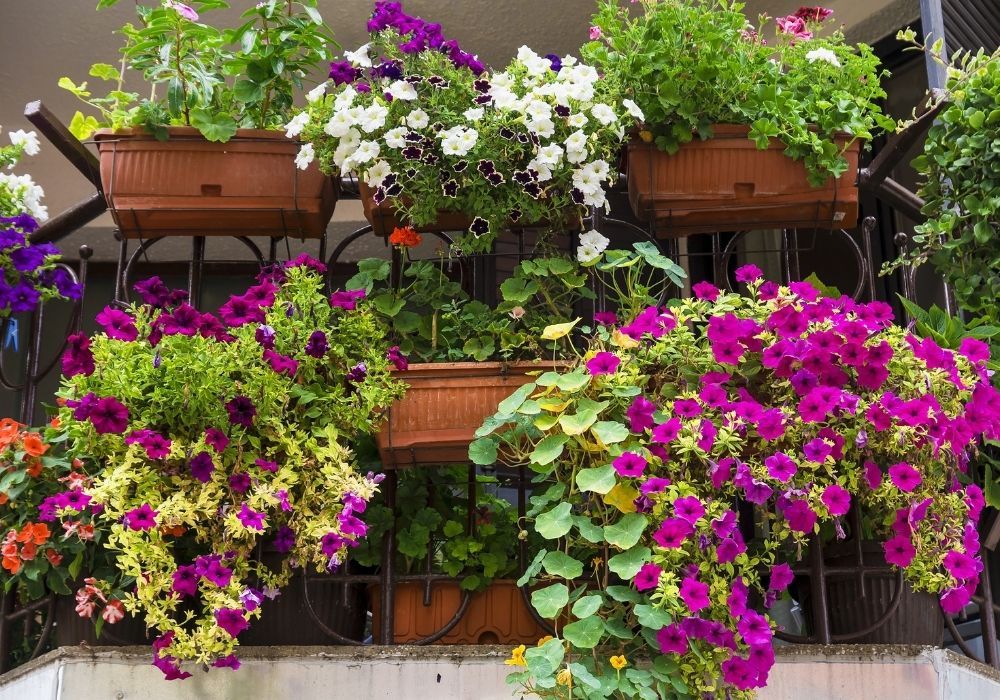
(41, 40)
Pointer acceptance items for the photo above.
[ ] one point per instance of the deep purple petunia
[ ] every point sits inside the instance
(185, 581)
(266, 465)
(227, 662)
(357, 373)
(899, 551)
(317, 345)
(251, 519)
(672, 639)
(202, 467)
(265, 335)
(781, 467)
(241, 411)
(183, 320)
(231, 620)
(347, 300)
(284, 539)
(648, 577)
(281, 364)
(239, 311)
(801, 517)
(689, 508)
(216, 439)
(77, 358)
(781, 577)
(397, 358)
(239, 482)
(108, 415)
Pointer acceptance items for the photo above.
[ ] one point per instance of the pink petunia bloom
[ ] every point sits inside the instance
(781, 467)
(754, 628)
(904, 477)
(630, 464)
(672, 533)
(689, 508)
(954, 600)
(836, 499)
(706, 291)
(737, 672)
(961, 566)
(899, 551)
(748, 273)
(648, 577)
(694, 593)
(231, 620)
(185, 11)
(801, 517)
(603, 363)
(640, 414)
(781, 577)
(141, 518)
(771, 424)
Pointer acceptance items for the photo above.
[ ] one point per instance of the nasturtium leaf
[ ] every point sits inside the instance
(616, 626)
(597, 479)
(627, 531)
(546, 422)
(578, 423)
(627, 564)
(622, 497)
(651, 617)
(573, 381)
(530, 407)
(610, 432)
(558, 330)
(587, 606)
(563, 565)
(550, 601)
(546, 659)
(588, 529)
(514, 401)
(483, 451)
(624, 594)
(547, 379)
(583, 675)
(584, 634)
(555, 523)
(533, 568)
(548, 449)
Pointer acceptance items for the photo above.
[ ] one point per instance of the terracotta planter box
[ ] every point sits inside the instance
(187, 185)
(497, 615)
(727, 184)
(445, 403)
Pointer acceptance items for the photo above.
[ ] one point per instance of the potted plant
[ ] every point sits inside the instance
(440, 143)
(468, 541)
(472, 357)
(204, 153)
(734, 133)
(219, 435)
(801, 405)
(29, 273)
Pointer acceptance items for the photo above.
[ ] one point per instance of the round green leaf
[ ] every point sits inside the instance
(627, 564)
(610, 432)
(550, 601)
(627, 531)
(561, 564)
(587, 606)
(584, 634)
(483, 451)
(554, 523)
(597, 479)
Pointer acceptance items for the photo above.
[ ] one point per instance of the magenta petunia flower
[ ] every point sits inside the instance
(77, 358)
(904, 477)
(397, 358)
(954, 600)
(961, 566)
(754, 628)
(738, 596)
(729, 549)
(331, 543)
(281, 364)
(781, 577)
(250, 519)
(347, 300)
(231, 620)
(184, 320)
(216, 439)
(357, 373)
(630, 464)
(817, 450)
(672, 639)
(771, 424)
(694, 593)
(648, 577)
(241, 411)
(265, 336)
(108, 415)
(737, 672)
(227, 662)
(117, 324)
(899, 551)
(976, 351)
(239, 482)
(212, 569)
(689, 508)
(748, 273)
(603, 363)
(267, 465)
(202, 467)
(781, 467)
(239, 311)
(665, 433)
(654, 484)
(304, 260)
(672, 533)
(141, 518)
(606, 318)
(801, 517)
(836, 499)
(725, 524)
(185, 581)
(705, 290)
(640, 414)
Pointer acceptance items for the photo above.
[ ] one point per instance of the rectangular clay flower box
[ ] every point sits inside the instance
(726, 183)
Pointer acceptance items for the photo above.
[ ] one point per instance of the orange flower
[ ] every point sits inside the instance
(29, 550)
(8, 429)
(12, 564)
(173, 530)
(405, 237)
(35, 533)
(54, 557)
(33, 445)
(55, 422)
(35, 470)
(3, 499)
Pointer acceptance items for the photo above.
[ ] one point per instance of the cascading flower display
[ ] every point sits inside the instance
(220, 435)
(803, 405)
(426, 126)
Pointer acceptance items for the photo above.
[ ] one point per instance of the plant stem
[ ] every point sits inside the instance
(180, 74)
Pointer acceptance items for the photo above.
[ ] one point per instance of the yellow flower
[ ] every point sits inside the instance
(646, 136)
(565, 678)
(619, 662)
(544, 639)
(516, 657)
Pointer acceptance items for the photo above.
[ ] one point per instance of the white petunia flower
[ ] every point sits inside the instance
(377, 174)
(595, 239)
(345, 99)
(394, 137)
(365, 151)
(549, 155)
(27, 140)
(822, 54)
(503, 98)
(317, 93)
(474, 114)
(538, 110)
(578, 120)
(587, 253)
(535, 65)
(306, 155)
(340, 123)
(458, 141)
(297, 123)
(402, 90)
(417, 119)
(544, 172)
(373, 118)
(542, 127)
(359, 57)
(577, 141)
(575, 156)
(603, 113)
(25, 194)
(634, 109)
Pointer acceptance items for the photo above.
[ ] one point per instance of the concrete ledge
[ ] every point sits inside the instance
(842, 672)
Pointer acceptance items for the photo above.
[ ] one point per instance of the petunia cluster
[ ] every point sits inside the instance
(222, 433)
(428, 129)
(804, 407)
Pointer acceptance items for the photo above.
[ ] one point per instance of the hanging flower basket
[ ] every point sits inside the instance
(726, 183)
(497, 615)
(446, 402)
(187, 185)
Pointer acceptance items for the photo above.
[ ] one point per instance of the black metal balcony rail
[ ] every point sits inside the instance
(480, 276)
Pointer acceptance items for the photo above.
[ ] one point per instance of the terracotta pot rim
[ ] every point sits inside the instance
(731, 132)
(479, 369)
(189, 133)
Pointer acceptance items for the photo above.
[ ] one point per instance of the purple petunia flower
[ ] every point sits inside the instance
(241, 411)
(239, 311)
(317, 345)
(108, 415)
(202, 467)
(185, 581)
(836, 499)
(672, 639)
(672, 533)
(183, 320)
(397, 358)
(251, 519)
(267, 465)
(284, 539)
(801, 517)
(239, 482)
(781, 577)
(781, 467)
(904, 477)
(694, 593)
(77, 358)
(117, 324)
(706, 291)
(281, 364)
(231, 620)
(357, 373)
(748, 273)
(648, 577)
(141, 518)
(216, 439)
(630, 464)
(689, 508)
(347, 300)
(961, 566)
(640, 414)
(603, 363)
(265, 336)
(899, 551)
(227, 662)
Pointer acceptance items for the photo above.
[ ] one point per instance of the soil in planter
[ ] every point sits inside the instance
(917, 620)
(498, 615)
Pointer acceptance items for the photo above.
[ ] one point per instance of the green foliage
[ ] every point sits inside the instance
(216, 80)
(691, 64)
